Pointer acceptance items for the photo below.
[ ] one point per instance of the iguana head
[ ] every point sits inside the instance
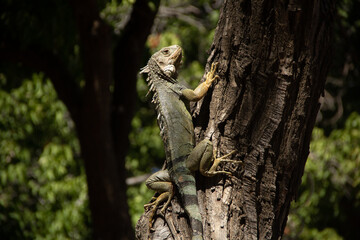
(168, 59)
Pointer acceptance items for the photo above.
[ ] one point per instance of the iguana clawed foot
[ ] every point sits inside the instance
(157, 201)
(210, 76)
(212, 171)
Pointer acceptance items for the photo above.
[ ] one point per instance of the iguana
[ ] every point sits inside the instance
(183, 158)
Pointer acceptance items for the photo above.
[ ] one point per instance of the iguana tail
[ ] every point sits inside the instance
(185, 181)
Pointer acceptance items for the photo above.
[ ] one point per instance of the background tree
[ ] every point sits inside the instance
(273, 60)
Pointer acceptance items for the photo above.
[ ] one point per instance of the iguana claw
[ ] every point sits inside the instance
(210, 75)
(212, 171)
(161, 198)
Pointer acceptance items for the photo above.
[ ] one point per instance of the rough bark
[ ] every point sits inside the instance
(273, 58)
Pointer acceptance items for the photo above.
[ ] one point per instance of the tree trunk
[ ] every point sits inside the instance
(109, 212)
(273, 58)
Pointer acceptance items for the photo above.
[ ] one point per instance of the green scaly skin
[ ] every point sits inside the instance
(177, 131)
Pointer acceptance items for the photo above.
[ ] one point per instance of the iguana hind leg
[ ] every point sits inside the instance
(161, 183)
(212, 171)
(202, 159)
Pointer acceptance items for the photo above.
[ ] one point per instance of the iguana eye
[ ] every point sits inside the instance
(165, 51)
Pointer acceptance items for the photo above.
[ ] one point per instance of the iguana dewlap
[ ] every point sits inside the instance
(183, 158)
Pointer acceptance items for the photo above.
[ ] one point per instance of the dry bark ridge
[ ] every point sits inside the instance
(273, 59)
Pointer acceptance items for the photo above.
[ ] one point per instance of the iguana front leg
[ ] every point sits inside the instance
(200, 91)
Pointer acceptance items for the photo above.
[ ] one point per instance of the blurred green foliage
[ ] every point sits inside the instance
(329, 202)
(43, 193)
